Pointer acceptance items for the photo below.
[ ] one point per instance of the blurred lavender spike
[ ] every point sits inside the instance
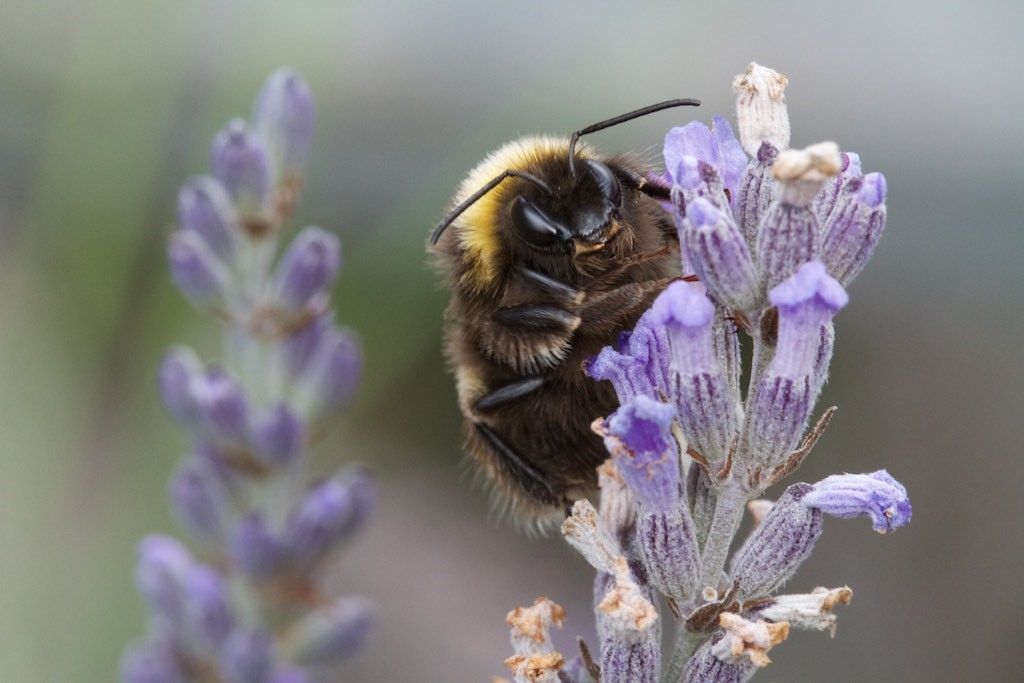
(255, 607)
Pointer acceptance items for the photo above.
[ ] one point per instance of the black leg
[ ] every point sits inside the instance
(525, 474)
(509, 392)
(537, 318)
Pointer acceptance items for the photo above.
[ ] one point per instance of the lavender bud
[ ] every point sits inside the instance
(727, 350)
(177, 370)
(761, 108)
(876, 495)
(706, 405)
(756, 192)
(302, 347)
(704, 667)
(331, 633)
(255, 549)
(778, 546)
(716, 146)
(163, 563)
(328, 516)
(308, 267)
(855, 227)
(785, 396)
(639, 439)
(284, 117)
(717, 252)
(248, 657)
(221, 408)
(151, 661)
(279, 435)
(199, 501)
(206, 608)
(205, 208)
(789, 233)
(668, 548)
(240, 161)
(197, 272)
(331, 376)
(825, 201)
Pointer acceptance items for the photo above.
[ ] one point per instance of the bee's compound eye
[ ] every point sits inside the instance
(607, 181)
(533, 225)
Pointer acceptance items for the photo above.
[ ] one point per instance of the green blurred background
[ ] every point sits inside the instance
(106, 107)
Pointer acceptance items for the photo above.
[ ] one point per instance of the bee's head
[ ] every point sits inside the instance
(562, 200)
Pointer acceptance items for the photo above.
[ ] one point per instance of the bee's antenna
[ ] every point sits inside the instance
(622, 118)
(472, 199)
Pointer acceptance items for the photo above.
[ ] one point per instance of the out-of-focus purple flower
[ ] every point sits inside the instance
(716, 146)
(645, 453)
(205, 208)
(876, 495)
(717, 252)
(706, 408)
(198, 501)
(284, 117)
(177, 370)
(163, 563)
(240, 161)
(855, 226)
(328, 516)
(151, 661)
(778, 546)
(255, 549)
(331, 633)
(221, 407)
(308, 267)
(279, 435)
(207, 612)
(331, 377)
(196, 270)
(248, 656)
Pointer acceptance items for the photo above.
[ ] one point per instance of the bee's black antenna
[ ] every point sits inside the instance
(622, 118)
(472, 199)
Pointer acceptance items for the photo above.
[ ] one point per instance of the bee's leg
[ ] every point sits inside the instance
(537, 318)
(509, 392)
(532, 480)
(610, 311)
(561, 291)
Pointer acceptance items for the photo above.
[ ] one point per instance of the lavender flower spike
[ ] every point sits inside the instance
(629, 651)
(756, 192)
(855, 227)
(785, 396)
(717, 252)
(261, 611)
(707, 409)
(876, 495)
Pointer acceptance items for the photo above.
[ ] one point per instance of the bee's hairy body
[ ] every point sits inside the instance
(528, 309)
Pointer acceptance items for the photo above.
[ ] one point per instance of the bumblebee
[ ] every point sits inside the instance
(551, 250)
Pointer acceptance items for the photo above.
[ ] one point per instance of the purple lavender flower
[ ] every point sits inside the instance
(768, 268)
(717, 147)
(876, 495)
(286, 366)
